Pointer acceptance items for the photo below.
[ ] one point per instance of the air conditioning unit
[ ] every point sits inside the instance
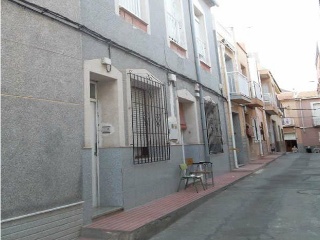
(287, 122)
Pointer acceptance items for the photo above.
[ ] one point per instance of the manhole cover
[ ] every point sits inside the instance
(309, 192)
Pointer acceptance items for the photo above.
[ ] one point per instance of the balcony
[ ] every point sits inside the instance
(256, 96)
(227, 36)
(239, 88)
(288, 122)
(316, 121)
(271, 104)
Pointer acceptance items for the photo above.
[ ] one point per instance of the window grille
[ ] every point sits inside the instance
(149, 120)
(214, 132)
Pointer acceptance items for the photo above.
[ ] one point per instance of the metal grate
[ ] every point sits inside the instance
(149, 120)
(213, 128)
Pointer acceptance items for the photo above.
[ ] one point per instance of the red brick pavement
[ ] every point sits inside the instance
(135, 218)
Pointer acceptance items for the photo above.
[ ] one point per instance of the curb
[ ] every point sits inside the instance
(154, 227)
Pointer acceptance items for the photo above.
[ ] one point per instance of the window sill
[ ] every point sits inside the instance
(133, 19)
(205, 66)
(182, 52)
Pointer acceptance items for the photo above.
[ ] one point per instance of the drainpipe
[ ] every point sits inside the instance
(222, 50)
(197, 65)
(253, 70)
(303, 129)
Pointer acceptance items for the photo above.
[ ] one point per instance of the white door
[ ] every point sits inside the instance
(94, 144)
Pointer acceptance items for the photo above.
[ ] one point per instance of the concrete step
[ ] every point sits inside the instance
(100, 213)
(105, 211)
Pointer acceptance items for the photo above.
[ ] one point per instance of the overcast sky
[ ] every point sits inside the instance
(284, 32)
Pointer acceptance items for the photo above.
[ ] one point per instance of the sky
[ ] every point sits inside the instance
(283, 32)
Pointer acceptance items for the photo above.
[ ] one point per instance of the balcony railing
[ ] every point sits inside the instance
(272, 104)
(239, 84)
(257, 92)
(227, 35)
(287, 122)
(269, 99)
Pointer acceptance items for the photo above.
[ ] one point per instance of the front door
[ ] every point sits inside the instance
(94, 144)
(238, 138)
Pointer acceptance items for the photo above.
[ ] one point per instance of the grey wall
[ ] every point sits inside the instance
(100, 16)
(121, 181)
(41, 111)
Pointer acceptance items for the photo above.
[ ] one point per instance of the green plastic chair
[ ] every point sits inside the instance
(185, 175)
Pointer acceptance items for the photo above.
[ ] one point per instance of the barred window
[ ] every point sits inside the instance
(213, 128)
(149, 120)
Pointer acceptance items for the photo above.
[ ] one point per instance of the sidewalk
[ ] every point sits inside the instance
(144, 221)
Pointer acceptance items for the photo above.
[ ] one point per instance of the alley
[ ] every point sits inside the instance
(281, 201)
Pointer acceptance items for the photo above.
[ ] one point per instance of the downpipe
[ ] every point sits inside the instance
(201, 100)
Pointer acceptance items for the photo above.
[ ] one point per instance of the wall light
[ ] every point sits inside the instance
(107, 62)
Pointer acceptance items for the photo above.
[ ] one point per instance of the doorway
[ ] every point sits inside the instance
(238, 138)
(290, 144)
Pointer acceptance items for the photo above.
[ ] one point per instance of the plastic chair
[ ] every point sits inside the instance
(201, 168)
(185, 175)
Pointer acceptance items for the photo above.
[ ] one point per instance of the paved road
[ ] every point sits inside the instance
(279, 202)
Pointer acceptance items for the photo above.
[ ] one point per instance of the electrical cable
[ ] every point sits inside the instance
(82, 28)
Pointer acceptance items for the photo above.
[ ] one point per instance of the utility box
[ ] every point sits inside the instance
(173, 127)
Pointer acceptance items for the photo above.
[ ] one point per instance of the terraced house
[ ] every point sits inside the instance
(254, 112)
(101, 100)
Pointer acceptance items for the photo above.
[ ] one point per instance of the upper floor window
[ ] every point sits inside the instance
(135, 12)
(201, 37)
(316, 114)
(175, 26)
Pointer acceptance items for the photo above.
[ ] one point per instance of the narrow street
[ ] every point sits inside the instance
(281, 201)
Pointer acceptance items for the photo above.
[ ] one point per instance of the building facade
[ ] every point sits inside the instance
(301, 120)
(102, 102)
(249, 121)
(318, 65)
(273, 110)
(42, 122)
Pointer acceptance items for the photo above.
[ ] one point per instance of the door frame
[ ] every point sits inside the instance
(95, 151)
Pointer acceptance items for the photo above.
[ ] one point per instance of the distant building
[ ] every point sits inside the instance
(301, 122)
(273, 110)
(318, 66)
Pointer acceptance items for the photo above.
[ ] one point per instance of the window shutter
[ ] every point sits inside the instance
(200, 42)
(174, 22)
(132, 5)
